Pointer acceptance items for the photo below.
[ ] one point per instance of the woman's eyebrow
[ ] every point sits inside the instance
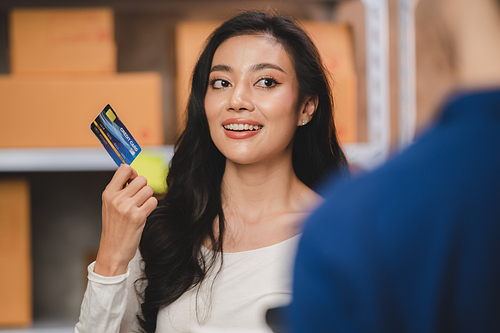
(265, 65)
(255, 67)
(221, 68)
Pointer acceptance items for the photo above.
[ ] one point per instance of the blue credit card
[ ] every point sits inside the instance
(115, 137)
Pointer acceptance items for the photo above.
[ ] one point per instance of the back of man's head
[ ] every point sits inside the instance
(474, 28)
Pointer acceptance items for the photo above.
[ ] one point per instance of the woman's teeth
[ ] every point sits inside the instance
(242, 127)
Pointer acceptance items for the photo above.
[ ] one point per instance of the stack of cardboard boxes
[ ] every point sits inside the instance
(63, 72)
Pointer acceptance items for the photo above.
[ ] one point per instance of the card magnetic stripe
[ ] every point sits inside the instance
(107, 139)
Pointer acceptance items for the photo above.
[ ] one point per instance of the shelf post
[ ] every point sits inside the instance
(407, 73)
(378, 107)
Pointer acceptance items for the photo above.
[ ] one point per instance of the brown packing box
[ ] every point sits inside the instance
(62, 41)
(334, 42)
(15, 253)
(189, 39)
(55, 111)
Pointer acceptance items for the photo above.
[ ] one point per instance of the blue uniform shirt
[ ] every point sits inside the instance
(413, 246)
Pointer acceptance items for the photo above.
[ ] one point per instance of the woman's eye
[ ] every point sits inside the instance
(267, 83)
(219, 83)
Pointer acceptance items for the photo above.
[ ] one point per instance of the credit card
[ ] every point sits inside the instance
(115, 137)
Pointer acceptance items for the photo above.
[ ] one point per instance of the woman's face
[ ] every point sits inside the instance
(252, 103)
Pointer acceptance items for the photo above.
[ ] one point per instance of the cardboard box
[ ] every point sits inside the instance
(334, 42)
(55, 111)
(189, 38)
(62, 41)
(15, 253)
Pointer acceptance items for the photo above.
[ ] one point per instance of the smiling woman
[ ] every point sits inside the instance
(218, 249)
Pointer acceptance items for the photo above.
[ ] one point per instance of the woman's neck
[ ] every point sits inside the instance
(264, 203)
(260, 188)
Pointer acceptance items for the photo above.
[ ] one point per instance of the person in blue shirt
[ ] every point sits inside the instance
(414, 246)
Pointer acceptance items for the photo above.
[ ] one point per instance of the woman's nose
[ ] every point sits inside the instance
(240, 99)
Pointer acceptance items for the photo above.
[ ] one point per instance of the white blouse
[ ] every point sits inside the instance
(249, 283)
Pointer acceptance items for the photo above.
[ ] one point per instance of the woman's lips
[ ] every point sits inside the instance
(240, 128)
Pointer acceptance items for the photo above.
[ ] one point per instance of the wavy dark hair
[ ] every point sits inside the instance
(184, 219)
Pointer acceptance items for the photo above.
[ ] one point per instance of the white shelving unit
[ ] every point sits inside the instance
(376, 150)
(66, 159)
(407, 72)
(43, 328)
(371, 154)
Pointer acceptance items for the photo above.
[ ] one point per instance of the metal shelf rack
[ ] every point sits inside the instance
(66, 159)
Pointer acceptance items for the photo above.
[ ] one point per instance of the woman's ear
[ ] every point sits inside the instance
(309, 106)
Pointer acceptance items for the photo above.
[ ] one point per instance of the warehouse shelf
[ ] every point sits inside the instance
(407, 72)
(66, 159)
(44, 327)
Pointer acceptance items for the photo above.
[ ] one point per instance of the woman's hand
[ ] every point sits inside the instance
(124, 212)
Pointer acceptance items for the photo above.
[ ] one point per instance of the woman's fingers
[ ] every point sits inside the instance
(135, 185)
(149, 205)
(142, 204)
(123, 174)
(124, 214)
(144, 193)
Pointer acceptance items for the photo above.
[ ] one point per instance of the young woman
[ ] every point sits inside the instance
(218, 249)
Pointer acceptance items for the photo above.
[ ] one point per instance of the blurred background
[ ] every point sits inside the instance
(61, 62)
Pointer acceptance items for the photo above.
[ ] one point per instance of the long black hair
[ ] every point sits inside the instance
(184, 219)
